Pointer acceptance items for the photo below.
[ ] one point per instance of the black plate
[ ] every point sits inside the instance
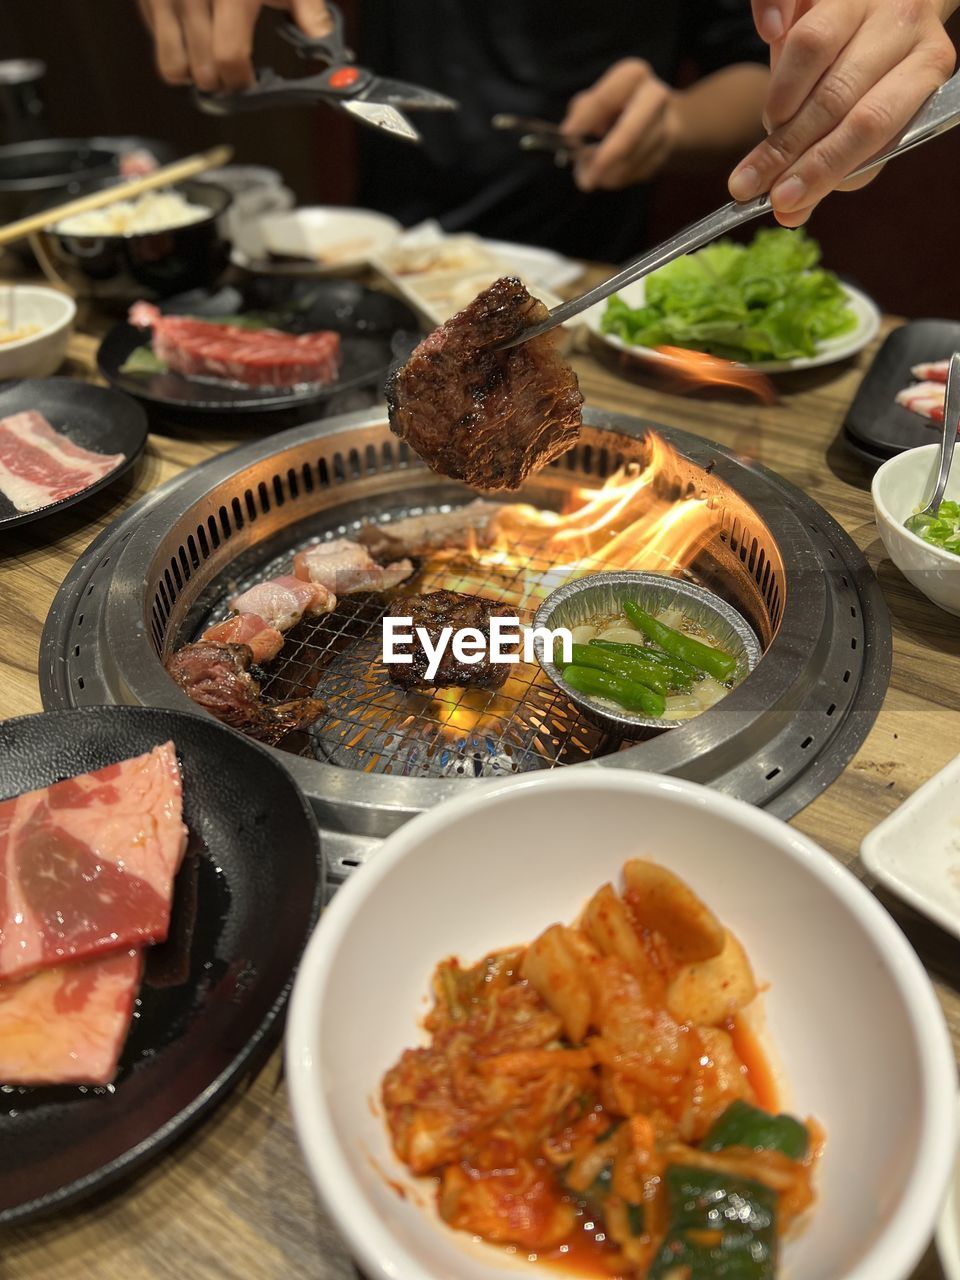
(374, 329)
(90, 416)
(245, 901)
(875, 422)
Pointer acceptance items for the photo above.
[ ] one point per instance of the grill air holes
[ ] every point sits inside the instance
(846, 677)
(238, 521)
(80, 620)
(293, 484)
(177, 579)
(307, 476)
(805, 743)
(224, 525)
(278, 495)
(831, 709)
(250, 504)
(853, 611)
(202, 539)
(194, 554)
(353, 459)
(370, 460)
(853, 642)
(79, 682)
(76, 651)
(772, 774)
(323, 473)
(349, 862)
(264, 496)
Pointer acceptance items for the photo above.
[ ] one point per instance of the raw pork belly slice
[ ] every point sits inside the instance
(250, 357)
(265, 642)
(39, 465)
(282, 602)
(936, 371)
(484, 416)
(925, 398)
(68, 1024)
(87, 865)
(344, 567)
(472, 525)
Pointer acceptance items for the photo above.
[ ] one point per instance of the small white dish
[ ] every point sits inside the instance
(948, 1229)
(900, 487)
(492, 869)
(916, 851)
(38, 354)
(865, 309)
(333, 239)
(541, 267)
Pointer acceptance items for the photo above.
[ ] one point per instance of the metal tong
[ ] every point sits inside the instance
(375, 100)
(939, 113)
(541, 135)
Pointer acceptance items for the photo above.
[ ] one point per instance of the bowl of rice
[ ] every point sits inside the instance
(156, 245)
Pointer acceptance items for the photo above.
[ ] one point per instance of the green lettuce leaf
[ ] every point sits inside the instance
(764, 301)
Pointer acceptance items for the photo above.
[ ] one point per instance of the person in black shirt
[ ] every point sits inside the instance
(531, 58)
(847, 77)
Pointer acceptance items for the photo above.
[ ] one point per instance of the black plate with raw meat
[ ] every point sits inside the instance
(375, 329)
(93, 417)
(245, 900)
(875, 424)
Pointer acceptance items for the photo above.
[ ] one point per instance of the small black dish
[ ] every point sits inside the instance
(875, 423)
(46, 169)
(92, 417)
(155, 264)
(245, 901)
(375, 329)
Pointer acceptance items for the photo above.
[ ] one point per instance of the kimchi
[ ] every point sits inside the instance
(592, 1098)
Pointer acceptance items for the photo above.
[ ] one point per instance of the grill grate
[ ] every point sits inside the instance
(374, 727)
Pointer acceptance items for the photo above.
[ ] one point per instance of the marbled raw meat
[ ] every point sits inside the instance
(263, 358)
(87, 865)
(282, 602)
(68, 1024)
(345, 567)
(264, 641)
(39, 465)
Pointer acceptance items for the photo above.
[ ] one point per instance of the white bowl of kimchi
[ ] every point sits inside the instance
(823, 981)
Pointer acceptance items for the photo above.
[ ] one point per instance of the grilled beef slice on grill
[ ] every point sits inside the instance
(433, 612)
(472, 525)
(487, 417)
(217, 678)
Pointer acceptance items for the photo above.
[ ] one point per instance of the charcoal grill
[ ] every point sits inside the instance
(164, 571)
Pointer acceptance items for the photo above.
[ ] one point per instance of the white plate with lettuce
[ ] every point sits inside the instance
(767, 306)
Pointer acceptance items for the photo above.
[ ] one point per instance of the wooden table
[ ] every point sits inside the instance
(233, 1199)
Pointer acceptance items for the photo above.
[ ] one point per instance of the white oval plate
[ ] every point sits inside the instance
(865, 309)
(333, 239)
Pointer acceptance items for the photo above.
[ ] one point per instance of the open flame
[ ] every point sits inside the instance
(691, 370)
(625, 523)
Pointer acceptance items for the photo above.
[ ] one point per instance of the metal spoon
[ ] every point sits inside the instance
(921, 520)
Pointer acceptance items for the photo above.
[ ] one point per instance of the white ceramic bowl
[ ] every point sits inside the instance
(335, 239)
(900, 487)
(850, 1011)
(42, 353)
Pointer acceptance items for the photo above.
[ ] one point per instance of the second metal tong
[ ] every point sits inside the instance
(939, 113)
(375, 100)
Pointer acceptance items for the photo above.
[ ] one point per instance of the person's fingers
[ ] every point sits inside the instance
(795, 219)
(872, 55)
(196, 21)
(815, 51)
(233, 26)
(595, 110)
(772, 18)
(875, 120)
(624, 155)
(171, 52)
(312, 17)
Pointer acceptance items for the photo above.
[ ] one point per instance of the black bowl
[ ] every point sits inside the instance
(157, 264)
(32, 171)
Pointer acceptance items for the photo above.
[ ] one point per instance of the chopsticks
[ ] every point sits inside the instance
(166, 176)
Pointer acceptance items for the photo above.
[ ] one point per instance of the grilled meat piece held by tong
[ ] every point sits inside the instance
(487, 417)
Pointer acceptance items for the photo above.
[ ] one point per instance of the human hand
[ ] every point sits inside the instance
(209, 43)
(847, 77)
(633, 113)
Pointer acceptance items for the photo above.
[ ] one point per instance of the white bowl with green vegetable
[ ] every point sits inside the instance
(902, 487)
(767, 305)
(649, 651)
